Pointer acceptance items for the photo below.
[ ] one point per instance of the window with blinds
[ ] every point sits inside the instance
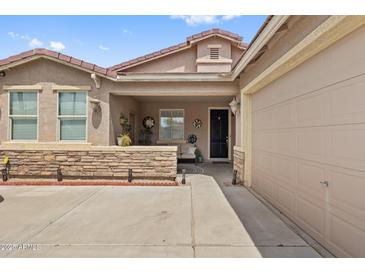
(23, 108)
(214, 53)
(72, 113)
(171, 124)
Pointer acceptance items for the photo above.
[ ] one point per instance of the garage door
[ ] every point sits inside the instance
(309, 145)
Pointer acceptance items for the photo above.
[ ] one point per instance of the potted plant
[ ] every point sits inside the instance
(198, 156)
(123, 139)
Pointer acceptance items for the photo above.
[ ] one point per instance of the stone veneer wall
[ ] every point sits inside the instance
(239, 162)
(150, 162)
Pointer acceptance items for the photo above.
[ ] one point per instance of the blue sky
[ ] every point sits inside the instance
(108, 40)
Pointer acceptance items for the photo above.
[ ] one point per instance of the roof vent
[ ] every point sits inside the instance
(214, 53)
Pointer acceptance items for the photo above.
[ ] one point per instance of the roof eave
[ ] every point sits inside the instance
(175, 77)
(39, 56)
(264, 35)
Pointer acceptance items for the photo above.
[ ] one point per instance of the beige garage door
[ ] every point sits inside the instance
(309, 130)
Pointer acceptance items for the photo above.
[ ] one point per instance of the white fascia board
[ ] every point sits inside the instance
(267, 33)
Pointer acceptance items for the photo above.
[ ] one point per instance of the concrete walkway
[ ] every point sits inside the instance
(195, 220)
(185, 221)
(271, 236)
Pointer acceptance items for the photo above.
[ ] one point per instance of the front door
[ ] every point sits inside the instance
(219, 139)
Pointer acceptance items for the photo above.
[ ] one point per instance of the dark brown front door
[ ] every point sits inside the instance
(219, 133)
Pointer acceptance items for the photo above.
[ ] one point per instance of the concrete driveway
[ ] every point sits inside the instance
(183, 221)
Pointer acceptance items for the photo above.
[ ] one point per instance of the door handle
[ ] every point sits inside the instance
(324, 183)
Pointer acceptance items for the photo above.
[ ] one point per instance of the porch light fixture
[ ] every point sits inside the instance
(2, 74)
(96, 104)
(234, 105)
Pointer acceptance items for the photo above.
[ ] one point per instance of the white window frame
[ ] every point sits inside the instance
(159, 125)
(72, 116)
(10, 116)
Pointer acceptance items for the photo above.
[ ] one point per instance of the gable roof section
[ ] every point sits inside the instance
(57, 56)
(234, 38)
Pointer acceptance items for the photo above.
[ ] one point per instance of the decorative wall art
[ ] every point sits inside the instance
(197, 123)
(148, 122)
(192, 139)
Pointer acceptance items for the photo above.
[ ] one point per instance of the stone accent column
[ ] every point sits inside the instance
(239, 162)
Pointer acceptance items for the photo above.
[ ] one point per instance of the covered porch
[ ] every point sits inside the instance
(203, 122)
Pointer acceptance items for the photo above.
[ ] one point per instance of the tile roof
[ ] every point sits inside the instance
(202, 35)
(111, 72)
(62, 57)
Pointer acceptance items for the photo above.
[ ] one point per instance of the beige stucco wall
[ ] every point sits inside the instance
(193, 110)
(46, 73)
(236, 53)
(125, 105)
(185, 60)
(104, 126)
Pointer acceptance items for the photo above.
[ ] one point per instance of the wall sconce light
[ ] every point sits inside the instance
(95, 104)
(2, 74)
(234, 105)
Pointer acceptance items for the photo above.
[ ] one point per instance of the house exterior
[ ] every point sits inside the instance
(287, 109)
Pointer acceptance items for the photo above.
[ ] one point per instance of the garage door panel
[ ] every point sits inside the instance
(285, 169)
(266, 187)
(309, 177)
(285, 200)
(347, 191)
(263, 162)
(311, 216)
(346, 239)
(346, 102)
(311, 109)
(256, 179)
(262, 140)
(284, 115)
(312, 144)
(284, 142)
(262, 100)
(346, 146)
(263, 120)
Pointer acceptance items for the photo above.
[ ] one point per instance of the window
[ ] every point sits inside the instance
(171, 124)
(72, 110)
(23, 115)
(214, 53)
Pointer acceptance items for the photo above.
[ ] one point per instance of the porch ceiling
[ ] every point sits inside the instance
(212, 99)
